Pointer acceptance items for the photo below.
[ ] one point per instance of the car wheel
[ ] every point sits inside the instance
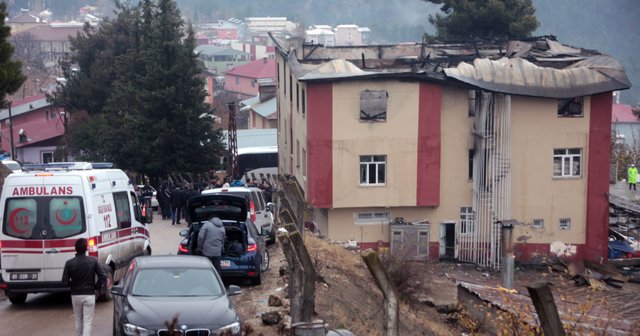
(264, 266)
(107, 296)
(18, 299)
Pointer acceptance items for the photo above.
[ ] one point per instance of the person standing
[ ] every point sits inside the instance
(176, 205)
(632, 176)
(80, 275)
(211, 241)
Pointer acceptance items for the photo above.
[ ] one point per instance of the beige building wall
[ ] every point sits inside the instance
(396, 138)
(536, 127)
(292, 123)
(356, 136)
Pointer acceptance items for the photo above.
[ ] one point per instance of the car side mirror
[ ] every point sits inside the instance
(117, 290)
(270, 207)
(234, 290)
(184, 233)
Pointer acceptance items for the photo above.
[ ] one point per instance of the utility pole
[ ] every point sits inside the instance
(13, 149)
(232, 159)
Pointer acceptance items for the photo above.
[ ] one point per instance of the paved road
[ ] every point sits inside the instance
(51, 314)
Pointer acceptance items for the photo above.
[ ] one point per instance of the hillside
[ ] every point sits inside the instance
(346, 296)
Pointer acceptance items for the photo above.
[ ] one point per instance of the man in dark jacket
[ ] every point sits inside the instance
(79, 274)
(211, 241)
(176, 205)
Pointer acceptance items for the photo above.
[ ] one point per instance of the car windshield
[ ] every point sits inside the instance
(176, 282)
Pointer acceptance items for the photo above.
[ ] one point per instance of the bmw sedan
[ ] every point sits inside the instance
(157, 290)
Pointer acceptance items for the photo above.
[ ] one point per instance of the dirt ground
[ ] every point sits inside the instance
(346, 297)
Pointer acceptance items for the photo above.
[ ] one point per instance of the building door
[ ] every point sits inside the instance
(447, 240)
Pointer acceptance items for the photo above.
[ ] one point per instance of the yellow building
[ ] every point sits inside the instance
(456, 138)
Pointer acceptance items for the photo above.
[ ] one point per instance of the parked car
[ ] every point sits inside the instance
(621, 246)
(154, 198)
(245, 253)
(157, 288)
(260, 212)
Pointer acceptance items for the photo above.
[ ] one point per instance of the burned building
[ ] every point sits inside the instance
(457, 136)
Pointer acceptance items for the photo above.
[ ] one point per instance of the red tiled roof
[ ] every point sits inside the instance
(48, 33)
(255, 69)
(623, 114)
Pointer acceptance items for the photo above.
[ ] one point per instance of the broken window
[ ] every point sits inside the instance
(373, 105)
(571, 107)
(566, 162)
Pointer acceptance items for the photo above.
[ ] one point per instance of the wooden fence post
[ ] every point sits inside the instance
(546, 308)
(295, 277)
(391, 302)
(309, 276)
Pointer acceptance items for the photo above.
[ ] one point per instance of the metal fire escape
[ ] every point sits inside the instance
(232, 156)
(481, 244)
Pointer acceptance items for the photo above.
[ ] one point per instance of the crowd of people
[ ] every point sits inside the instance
(172, 198)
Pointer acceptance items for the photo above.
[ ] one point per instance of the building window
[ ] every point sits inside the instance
(284, 78)
(566, 162)
(373, 169)
(304, 102)
(381, 217)
(253, 83)
(538, 223)
(290, 89)
(474, 102)
(470, 165)
(373, 105)
(467, 220)
(297, 153)
(565, 223)
(571, 107)
(297, 97)
(237, 80)
(278, 72)
(304, 163)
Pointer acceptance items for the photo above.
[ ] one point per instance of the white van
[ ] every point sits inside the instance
(46, 208)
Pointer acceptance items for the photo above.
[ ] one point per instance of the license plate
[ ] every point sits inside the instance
(23, 276)
(225, 263)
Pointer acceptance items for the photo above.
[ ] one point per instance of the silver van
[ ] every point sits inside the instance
(259, 210)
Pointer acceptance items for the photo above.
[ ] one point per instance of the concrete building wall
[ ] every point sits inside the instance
(536, 193)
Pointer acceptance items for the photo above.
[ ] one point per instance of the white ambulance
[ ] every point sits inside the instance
(46, 208)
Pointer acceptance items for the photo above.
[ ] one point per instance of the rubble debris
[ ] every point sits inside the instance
(271, 318)
(275, 301)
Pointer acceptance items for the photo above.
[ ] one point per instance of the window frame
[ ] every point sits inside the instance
(376, 217)
(367, 164)
(467, 221)
(570, 157)
(537, 223)
(564, 223)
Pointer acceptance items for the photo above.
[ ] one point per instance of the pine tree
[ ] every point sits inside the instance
(145, 108)
(484, 18)
(11, 77)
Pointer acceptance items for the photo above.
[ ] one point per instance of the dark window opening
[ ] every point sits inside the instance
(373, 105)
(571, 107)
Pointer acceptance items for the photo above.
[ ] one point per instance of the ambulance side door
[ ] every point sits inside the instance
(123, 222)
(141, 232)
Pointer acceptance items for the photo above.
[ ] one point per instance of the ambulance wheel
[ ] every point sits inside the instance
(18, 299)
(107, 296)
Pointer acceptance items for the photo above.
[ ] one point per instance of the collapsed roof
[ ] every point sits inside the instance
(540, 67)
